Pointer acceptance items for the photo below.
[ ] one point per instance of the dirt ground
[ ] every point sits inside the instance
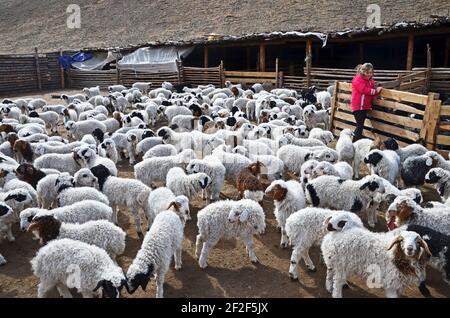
(229, 274)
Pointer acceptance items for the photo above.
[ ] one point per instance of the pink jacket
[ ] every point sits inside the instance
(363, 93)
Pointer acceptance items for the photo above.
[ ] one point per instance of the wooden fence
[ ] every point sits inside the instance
(28, 73)
(391, 117)
(194, 76)
(439, 79)
(129, 77)
(80, 78)
(270, 79)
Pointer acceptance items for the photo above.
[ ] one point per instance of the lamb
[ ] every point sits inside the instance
(28, 173)
(56, 263)
(123, 192)
(89, 159)
(54, 108)
(345, 250)
(349, 195)
(51, 119)
(18, 199)
(70, 98)
(182, 184)
(7, 218)
(162, 241)
(45, 148)
(408, 151)
(344, 146)
(248, 184)
(171, 111)
(24, 119)
(69, 162)
(304, 142)
(362, 148)
(289, 198)
(324, 99)
(108, 149)
(306, 171)
(315, 117)
(305, 228)
(324, 136)
(160, 151)
(156, 168)
(47, 192)
(404, 210)
(414, 169)
(228, 219)
(116, 88)
(79, 212)
(385, 163)
(341, 169)
(113, 124)
(144, 87)
(30, 129)
(184, 122)
(91, 91)
(100, 233)
(162, 199)
(148, 143)
(68, 194)
(439, 178)
(81, 128)
(36, 103)
(294, 156)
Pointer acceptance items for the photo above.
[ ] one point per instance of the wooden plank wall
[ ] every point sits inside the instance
(247, 79)
(129, 77)
(78, 79)
(439, 79)
(18, 73)
(391, 117)
(194, 76)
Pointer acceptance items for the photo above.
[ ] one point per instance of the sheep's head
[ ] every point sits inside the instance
(108, 144)
(248, 212)
(301, 132)
(277, 191)
(138, 275)
(46, 226)
(391, 144)
(69, 125)
(347, 132)
(323, 168)
(204, 180)
(64, 181)
(372, 183)
(255, 168)
(25, 170)
(26, 217)
(112, 283)
(400, 211)
(408, 247)
(341, 220)
(326, 155)
(181, 207)
(307, 168)
(6, 214)
(435, 175)
(85, 178)
(23, 147)
(165, 133)
(373, 157)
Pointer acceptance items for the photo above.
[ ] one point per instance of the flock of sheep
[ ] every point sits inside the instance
(66, 190)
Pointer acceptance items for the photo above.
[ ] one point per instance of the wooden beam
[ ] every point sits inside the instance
(308, 62)
(38, 69)
(447, 53)
(410, 53)
(262, 57)
(361, 53)
(276, 72)
(205, 57)
(63, 84)
(248, 57)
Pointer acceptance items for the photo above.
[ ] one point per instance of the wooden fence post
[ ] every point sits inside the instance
(117, 69)
(334, 105)
(308, 61)
(205, 57)
(38, 70)
(410, 53)
(180, 71)
(276, 73)
(222, 74)
(262, 57)
(63, 83)
(430, 122)
(281, 79)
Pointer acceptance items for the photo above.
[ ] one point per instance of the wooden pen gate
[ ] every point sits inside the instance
(407, 117)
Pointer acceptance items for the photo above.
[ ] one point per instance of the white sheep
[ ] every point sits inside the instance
(69, 162)
(344, 146)
(123, 192)
(324, 136)
(7, 219)
(101, 233)
(228, 219)
(305, 228)
(183, 184)
(108, 150)
(81, 128)
(79, 212)
(385, 163)
(350, 249)
(156, 168)
(162, 241)
(232, 162)
(340, 169)
(68, 264)
(289, 198)
(160, 151)
(349, 195)
(162, 199)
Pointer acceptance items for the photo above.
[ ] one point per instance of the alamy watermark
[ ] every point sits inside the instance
(74, 18)
(374, 18)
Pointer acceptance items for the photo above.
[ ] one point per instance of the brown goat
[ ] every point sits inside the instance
(248, 183)
(211, 127)
(12, 138)
(28, 173)
(46, 227)
(6, 128)
(22, 150)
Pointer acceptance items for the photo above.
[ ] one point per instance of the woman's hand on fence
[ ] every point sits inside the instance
(379, 88)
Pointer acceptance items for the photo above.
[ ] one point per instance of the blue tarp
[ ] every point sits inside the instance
(67, 60)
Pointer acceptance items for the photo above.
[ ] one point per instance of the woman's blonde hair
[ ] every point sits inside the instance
(362, 68)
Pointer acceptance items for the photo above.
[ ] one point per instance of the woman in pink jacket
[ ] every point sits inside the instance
(363, 93)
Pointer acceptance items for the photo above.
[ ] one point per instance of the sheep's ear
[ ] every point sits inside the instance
(397, 241)
(175, 205)
(327, 220)
(429, 162)
(424, 245)
(243, 216)
(365, 185)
